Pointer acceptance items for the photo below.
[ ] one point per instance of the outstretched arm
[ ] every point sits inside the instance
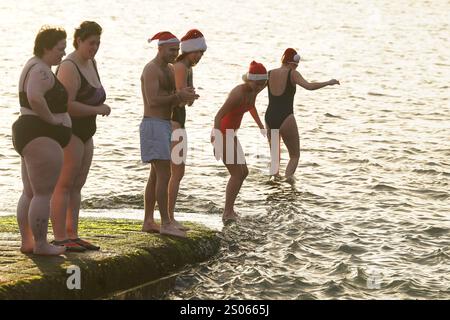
(299, 80)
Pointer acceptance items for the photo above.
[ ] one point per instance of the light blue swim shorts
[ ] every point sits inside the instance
(155, 139)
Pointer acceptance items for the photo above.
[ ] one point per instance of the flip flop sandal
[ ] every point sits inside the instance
(70, 245)
(85, 244)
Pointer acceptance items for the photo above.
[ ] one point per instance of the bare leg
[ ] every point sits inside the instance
(174, 186)
(22, 212)
(289, 133)
(73, 158)
(43, 158)
(177, 174)
(149, 204)
(73, 211)
(238, 174)
(162, 169)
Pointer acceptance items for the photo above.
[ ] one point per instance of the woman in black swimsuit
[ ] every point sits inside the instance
(193, 46)
(78, 73)
(39, 136)
(280, 120)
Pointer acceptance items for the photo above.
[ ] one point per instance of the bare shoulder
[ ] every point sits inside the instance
(179, 67)
(237, 92)
(41, 77)
(151, 72)
(151, 68)
(67, 66)
(275, 71)
(295, 74)
(42, 72)
(179, 64)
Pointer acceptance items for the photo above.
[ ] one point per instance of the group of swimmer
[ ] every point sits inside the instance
(57, 122)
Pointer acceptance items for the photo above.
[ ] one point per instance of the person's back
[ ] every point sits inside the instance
(233, 119)
(281, 97)
(280, 120)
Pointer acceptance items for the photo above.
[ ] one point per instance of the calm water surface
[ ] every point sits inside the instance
(369, 217)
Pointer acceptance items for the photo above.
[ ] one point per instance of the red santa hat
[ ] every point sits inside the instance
(193, 41)
(164, 37)
(256, 72)
(290, 56)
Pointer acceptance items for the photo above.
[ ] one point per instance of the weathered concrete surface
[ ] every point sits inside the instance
(128, 258)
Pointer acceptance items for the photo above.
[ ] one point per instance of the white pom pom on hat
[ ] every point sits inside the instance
(290, 56)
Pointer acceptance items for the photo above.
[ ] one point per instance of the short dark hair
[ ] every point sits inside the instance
(85, 30)
(47, 38)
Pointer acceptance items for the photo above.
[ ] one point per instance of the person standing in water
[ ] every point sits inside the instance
(193, 46)
(279, 117)
(160, 97)
(226, 123)
(79, 75)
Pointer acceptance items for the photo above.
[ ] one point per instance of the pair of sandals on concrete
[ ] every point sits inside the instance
(76, 245)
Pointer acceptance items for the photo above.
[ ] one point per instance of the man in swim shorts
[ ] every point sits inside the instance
(160, 97)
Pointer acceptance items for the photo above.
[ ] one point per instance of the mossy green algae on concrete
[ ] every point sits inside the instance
(128, 258)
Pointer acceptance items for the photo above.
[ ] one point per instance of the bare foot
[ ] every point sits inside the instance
(229, 217)
(290, 180)
(48, 250)
(180, 226)
(26, 249)
(27, 246)
(277, 177)
(171, 230)
(151, 227)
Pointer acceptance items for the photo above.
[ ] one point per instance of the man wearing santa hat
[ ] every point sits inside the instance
(160, 97)
(193, 46)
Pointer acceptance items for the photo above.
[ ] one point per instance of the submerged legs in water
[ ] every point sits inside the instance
(289, 133)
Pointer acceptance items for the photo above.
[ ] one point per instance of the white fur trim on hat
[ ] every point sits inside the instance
(257, 76)
(191, 45)
(161, 42)
(173, 40)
